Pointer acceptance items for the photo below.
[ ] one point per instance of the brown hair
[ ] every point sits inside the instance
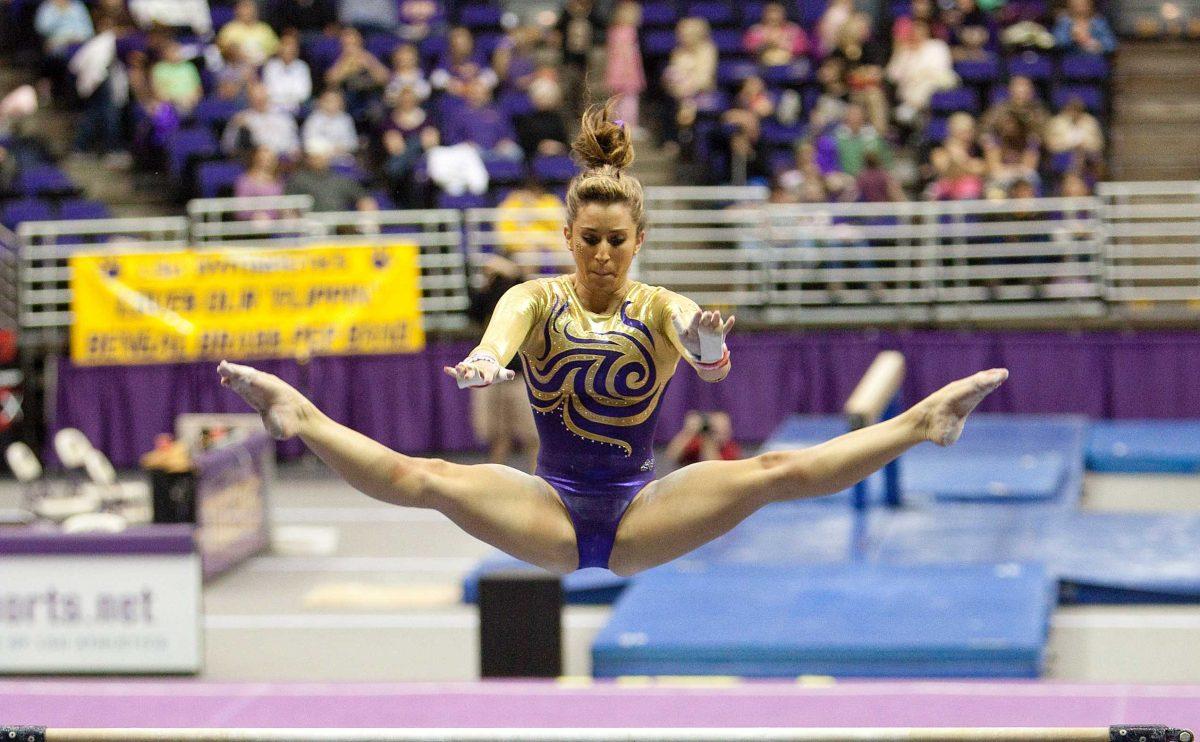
(605, 149)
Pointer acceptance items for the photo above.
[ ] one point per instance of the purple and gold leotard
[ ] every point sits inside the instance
(595, 382)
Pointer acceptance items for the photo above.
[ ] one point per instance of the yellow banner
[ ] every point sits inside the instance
(244, 303)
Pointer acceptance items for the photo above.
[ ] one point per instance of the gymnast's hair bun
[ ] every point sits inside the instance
(602, 141)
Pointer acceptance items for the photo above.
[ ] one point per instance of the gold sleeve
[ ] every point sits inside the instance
(681, 308)
(515, 315)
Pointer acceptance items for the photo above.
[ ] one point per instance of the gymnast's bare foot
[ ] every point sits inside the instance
(940, 416)
(283, 409)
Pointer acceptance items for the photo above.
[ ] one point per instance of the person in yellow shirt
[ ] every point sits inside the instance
(256, 40)
(530, 224)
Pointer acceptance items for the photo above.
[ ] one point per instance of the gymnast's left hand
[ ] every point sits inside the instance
(479, 371)
(704, 336)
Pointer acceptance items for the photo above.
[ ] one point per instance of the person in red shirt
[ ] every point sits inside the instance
(704, 437)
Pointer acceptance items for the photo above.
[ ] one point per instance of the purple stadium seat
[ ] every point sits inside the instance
(1092, 96)
(958, 99)
(776, 134)
(187, 144)
(486, 43)
(732, 72)
(937, 129)
(809, 12)
(998, 93)
(658, 15)
(321, 52)
(658, 43)
(382, 45)
(25, 210)
(83, 209)
(44, 180)
(1060, 162)
(351, 171)
(515, 103)
(717, 12)
(727, 40)
(1032, 65)
(478, 17)
(433, 47)
(714, 103)
(975, 71)
(215, 179)
(504, 171)
(465, 201)
(214, 112)
(751, 13)
(553, 168)
(1089, 67)
(780, 161)
(787, 75)
(221, 14)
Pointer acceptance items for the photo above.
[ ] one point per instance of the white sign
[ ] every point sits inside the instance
(94, 613)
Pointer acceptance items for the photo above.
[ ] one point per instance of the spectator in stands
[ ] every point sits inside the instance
(405, 136)
(193, 15)
(483, 124)
(874, 183)
(1011, 151)
(862, 62)
(460, 65)
(855, 138)
(330, 191)
(706, 436)
(116, 16)
(261, 179)
(804, 176)
(175, 80)
(330, 124)
(1075, 130)
(837, 14)
(8, 170)
(775, 40)
(624, 74)
(260, 125)
(100, 82)
(1074, 185)
(579, 29)
(919, 10)
(972, 31)
(61, 24)
(256, 41)
(543, 131)
(417, 18)
(830, 106)
(406, 73)
(743, 121)
(530, 220)
(958, 167)
(1081, 29)
(304, 16)
(513, 60)
(369, 16)
(287, 77)
(234, 76)
(356, 73)
(920, 66)
(1023, 103)
(692, 69)
(500, 413)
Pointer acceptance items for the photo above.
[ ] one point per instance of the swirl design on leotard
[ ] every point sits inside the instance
(603, 384)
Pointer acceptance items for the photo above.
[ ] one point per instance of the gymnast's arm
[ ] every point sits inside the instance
(699, 336)
(514, 316)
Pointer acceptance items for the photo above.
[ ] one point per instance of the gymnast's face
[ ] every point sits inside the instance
(603, 240)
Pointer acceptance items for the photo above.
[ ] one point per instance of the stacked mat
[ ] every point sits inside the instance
(847, 620)
(1144, 446)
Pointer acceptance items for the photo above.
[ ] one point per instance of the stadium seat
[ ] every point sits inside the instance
(1089, 67)
(25, 210)
(215, 179)
(83, 209)
(658, 43)
(787, 75)
(958, 99)
(515, 103)
(658, 15)
(214, 112)
(1091, 95)
(352, 171)
(719, 13)
(44, 180)
(751, 13)
(979, 71)
(433, 47)
(731, 72)
(465, 201)
(189, 144)
(220, 14)
(776, 134)
(727, 40)
(553, 168)
(486, 43)
(937, 129)
(480, 17)
(321, 52)
(1032, 65)
(504, 171)
(382, 45)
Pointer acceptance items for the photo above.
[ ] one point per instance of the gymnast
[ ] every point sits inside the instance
(598, 350)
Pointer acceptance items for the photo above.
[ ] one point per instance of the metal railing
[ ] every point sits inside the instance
(9, 258)
(1135, 247)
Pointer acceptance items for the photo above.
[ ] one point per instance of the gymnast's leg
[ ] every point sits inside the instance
(511, 510)
(694, 505)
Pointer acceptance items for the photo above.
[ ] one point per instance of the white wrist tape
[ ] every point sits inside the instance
(712, 346)
(478, 380)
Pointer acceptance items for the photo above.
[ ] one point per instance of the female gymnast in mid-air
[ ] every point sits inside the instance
(598, 350)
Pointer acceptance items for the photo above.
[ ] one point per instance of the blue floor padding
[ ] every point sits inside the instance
(848, 620)
(1144, 446)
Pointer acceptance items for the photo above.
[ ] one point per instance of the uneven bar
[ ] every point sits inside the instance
(876, 389)
(1124, 733)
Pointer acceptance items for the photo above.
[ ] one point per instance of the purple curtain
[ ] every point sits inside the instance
(405, 402)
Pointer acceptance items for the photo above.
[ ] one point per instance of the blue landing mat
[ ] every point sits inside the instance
(847, 620)
(1143, 446)
(584, 587)
(1000, 458)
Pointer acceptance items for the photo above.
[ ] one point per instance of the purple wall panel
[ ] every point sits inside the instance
(405, 402)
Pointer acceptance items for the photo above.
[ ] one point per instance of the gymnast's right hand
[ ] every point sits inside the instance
(479, 370)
